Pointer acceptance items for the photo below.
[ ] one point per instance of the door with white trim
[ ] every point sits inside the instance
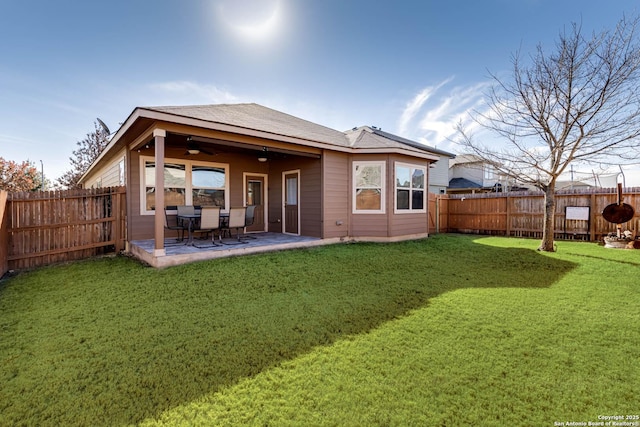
(255, 195)
(291, 199)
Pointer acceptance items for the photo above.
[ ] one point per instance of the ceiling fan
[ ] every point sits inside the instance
(193, 148)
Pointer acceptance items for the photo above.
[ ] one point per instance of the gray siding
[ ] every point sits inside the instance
(439, 175)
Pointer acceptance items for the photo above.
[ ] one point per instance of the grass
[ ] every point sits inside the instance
(452, 330)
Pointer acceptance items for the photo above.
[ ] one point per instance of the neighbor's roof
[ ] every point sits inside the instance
(462, 159)
(463, 183)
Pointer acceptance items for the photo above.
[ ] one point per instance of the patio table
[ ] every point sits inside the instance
(192, 219)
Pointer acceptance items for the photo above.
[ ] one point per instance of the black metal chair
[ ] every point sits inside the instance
(249, 218)
(172, 223)
(209, 223)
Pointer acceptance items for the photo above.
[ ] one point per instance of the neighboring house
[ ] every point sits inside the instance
(304, 178)
(471, 174)
(572, 185)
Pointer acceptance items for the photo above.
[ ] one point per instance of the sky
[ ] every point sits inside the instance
(410, 67)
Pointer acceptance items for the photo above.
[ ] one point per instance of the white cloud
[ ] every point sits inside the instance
(414, 106)
(184, 92)
(432, 115)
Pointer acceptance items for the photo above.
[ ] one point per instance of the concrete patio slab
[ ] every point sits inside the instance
(179, 253)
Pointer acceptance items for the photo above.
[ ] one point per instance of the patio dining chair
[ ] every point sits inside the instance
(209, 223)
(236, 221)
(172, 223)
(248, 220)
(186, 210)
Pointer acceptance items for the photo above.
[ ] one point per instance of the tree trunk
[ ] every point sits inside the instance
(549, 220)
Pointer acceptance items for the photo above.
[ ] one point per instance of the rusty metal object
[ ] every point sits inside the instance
(620, 212)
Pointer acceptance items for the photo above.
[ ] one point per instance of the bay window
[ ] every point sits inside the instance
(368, 187)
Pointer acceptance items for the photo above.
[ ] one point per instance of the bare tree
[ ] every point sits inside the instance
(88, 151)
(579, 103)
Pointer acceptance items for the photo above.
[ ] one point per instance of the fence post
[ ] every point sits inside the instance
(592, 219)
(437, 214)
(116, 215)
(508, 210)
(4, 234)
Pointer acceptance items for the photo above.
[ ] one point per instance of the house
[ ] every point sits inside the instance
(469, 173)
(305, 179)
(573, 185)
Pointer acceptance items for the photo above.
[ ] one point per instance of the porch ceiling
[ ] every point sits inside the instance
(215, 146)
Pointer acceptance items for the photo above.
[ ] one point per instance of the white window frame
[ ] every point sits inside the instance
(412, 167)
(122, 174)
(188, 164)
(489, 172)
(213, 165)
(383, 186)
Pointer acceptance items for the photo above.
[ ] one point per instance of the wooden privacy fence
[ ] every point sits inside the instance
(54, 226)
(578, 213)
(438, 213)
(4, 220)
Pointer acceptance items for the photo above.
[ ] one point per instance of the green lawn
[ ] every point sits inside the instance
(453, 330)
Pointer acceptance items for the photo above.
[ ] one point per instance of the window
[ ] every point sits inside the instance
(121, 173)
(208, 185)
(410, 188)
(488, 172)
(368, 187)
(185, 183)
(291, 195)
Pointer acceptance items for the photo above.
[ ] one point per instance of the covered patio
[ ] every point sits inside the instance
(177, 253)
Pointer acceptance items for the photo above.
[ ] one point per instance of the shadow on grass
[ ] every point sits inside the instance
(608, 259)
(112, 342)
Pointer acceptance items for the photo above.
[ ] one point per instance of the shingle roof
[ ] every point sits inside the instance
(466, 159)
(412, 143)
(463, 183)
(368, 137)
(257, 117)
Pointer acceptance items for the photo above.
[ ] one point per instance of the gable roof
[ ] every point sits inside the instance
(258, 121)
(369, 137)
(259, 118)
(457, 183)
(466, 159)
